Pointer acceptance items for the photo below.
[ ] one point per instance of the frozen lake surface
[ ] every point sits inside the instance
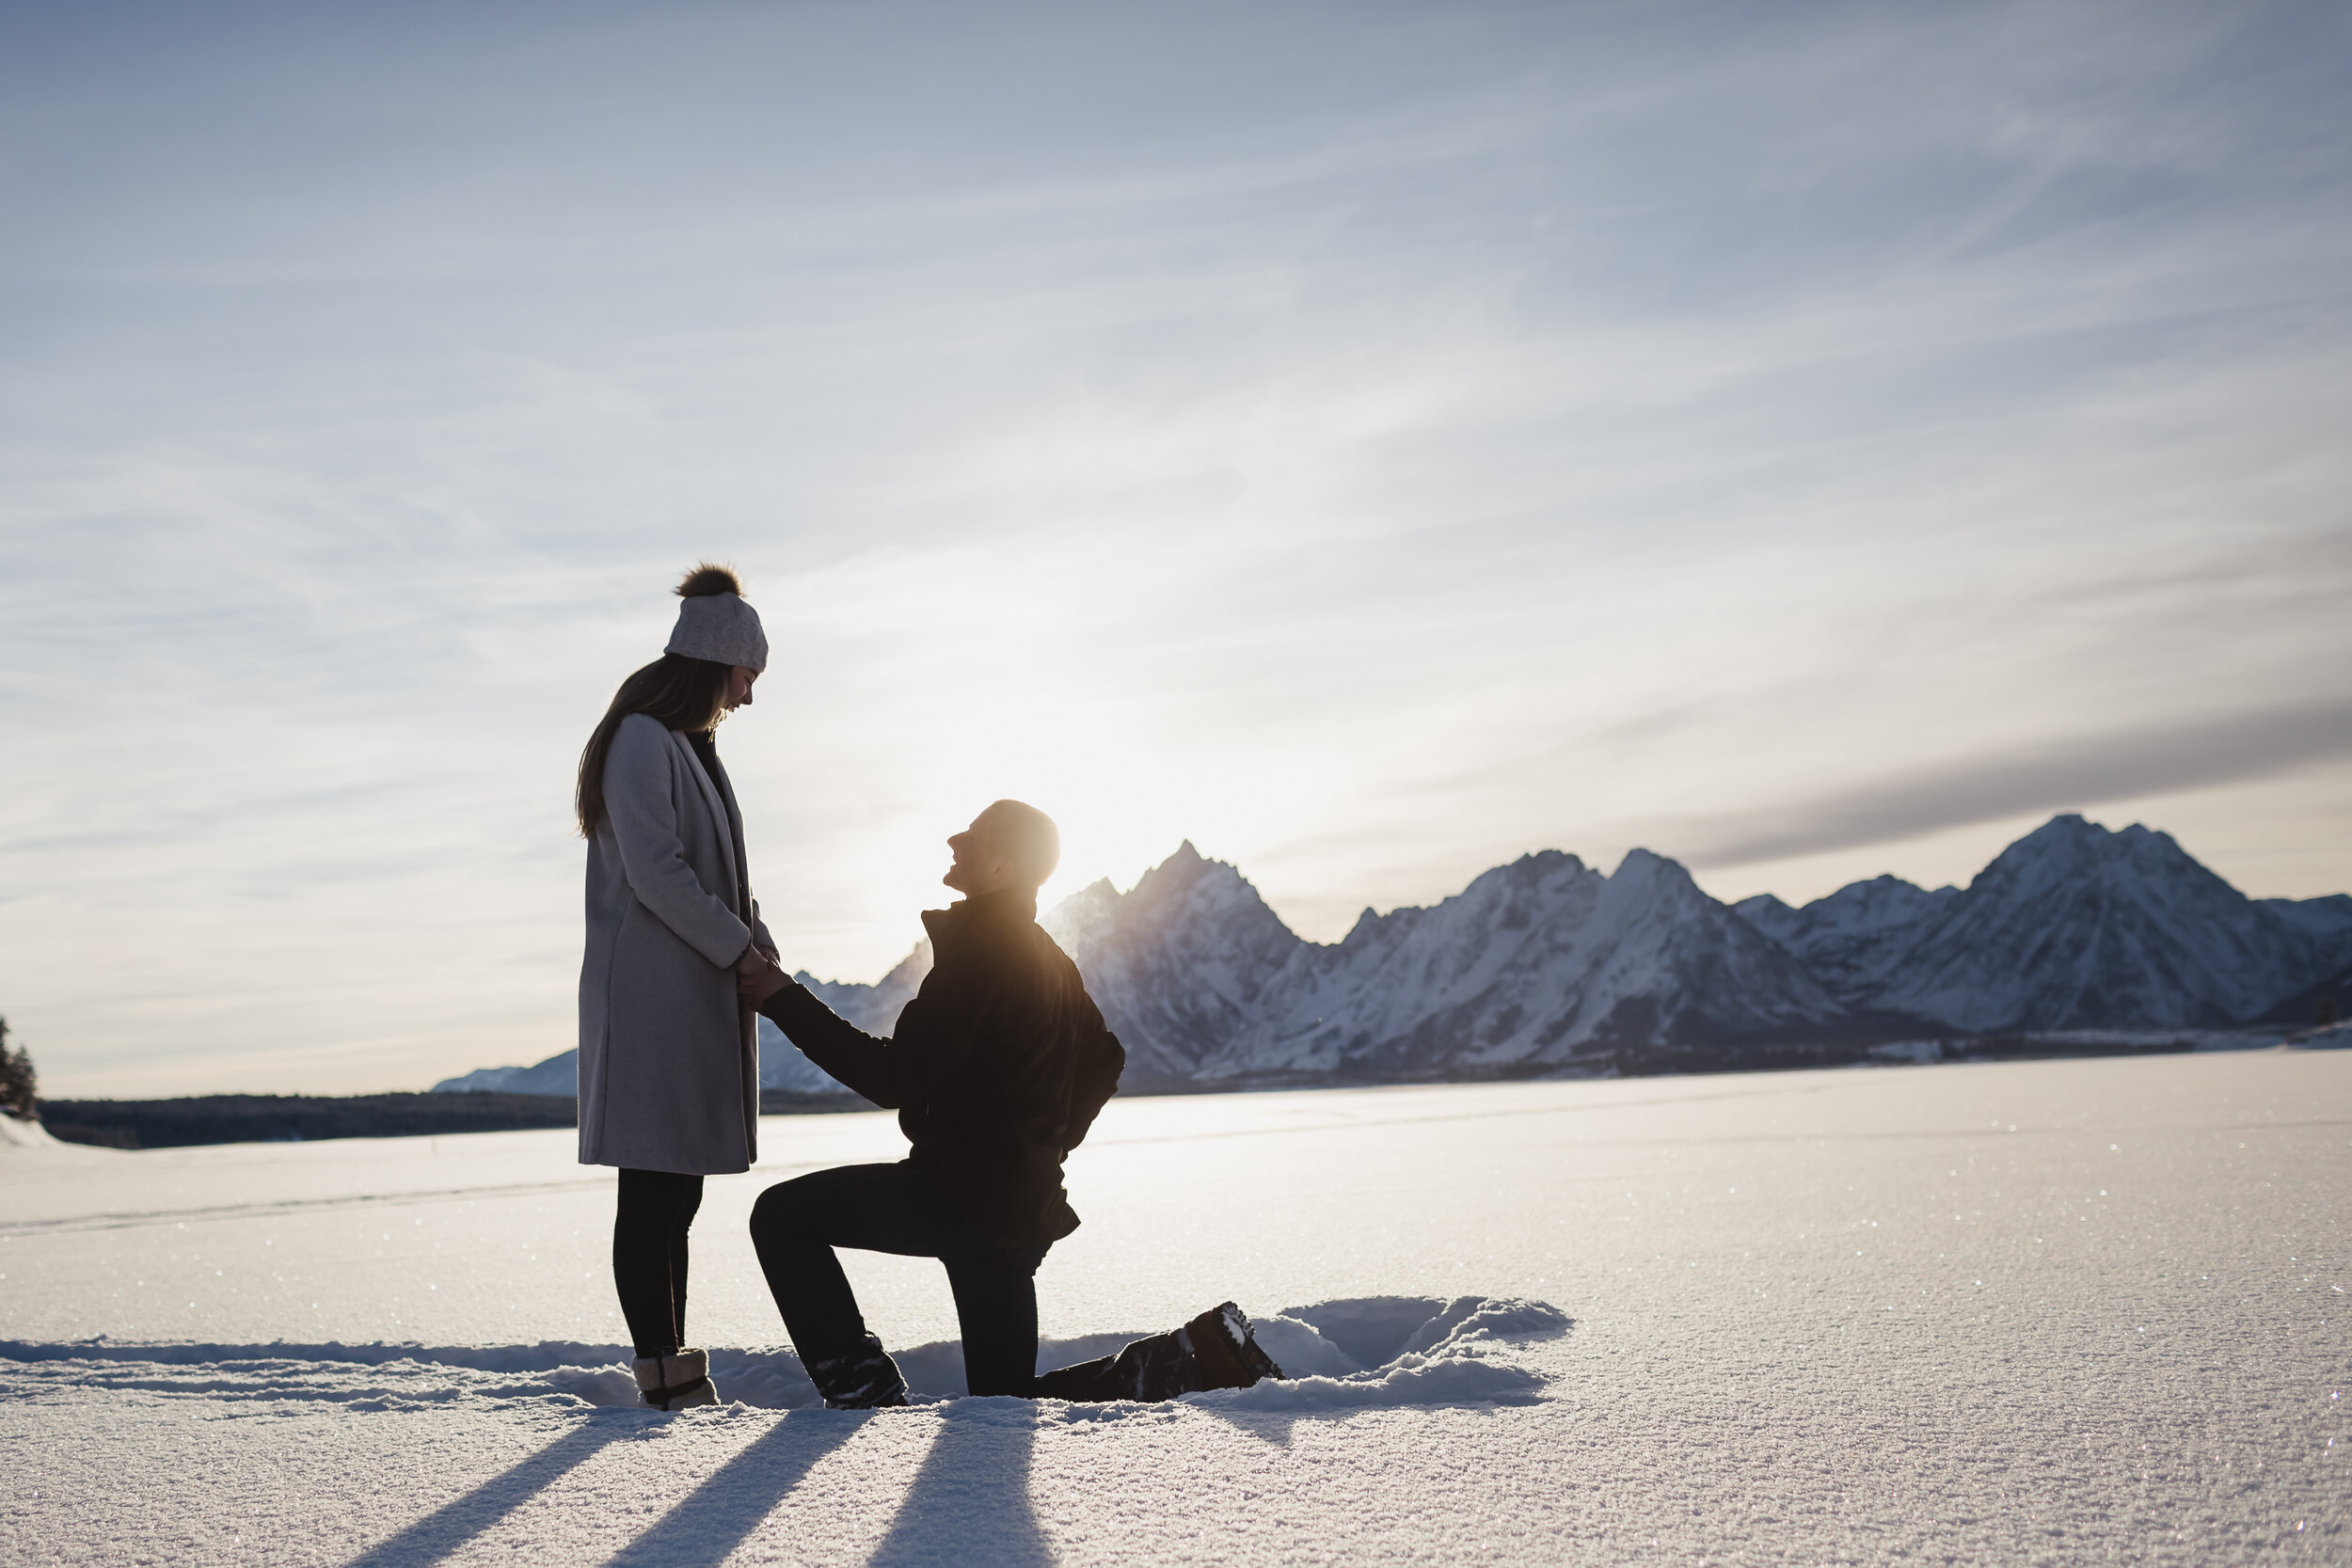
(2057, 1311)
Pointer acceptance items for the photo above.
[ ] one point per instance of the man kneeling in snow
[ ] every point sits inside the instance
(997, 1069)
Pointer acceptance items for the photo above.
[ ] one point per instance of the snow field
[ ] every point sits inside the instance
(2065, 1311)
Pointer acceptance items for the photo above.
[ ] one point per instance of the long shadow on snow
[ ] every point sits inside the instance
(970, 1502)
(712, 1521)
(440, 1532)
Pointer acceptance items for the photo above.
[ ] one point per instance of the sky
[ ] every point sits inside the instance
(1370, 442)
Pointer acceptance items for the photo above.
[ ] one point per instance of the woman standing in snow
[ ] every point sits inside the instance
(668, 1058)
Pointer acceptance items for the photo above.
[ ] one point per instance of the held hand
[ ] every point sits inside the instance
(757, 977)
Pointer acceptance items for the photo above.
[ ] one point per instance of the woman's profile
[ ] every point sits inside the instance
(669, 1065)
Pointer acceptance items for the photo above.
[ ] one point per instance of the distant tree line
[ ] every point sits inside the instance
(17, 1080)
(223, 1119)
(268, 1118)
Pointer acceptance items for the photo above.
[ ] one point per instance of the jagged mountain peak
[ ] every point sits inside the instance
(1650, 886)
(2076, 925)
(1080, 918)
(1191, 892)
(1188, 873)
(1539, 862)
(1847, 938)
(1179, 962)
(1185, 864)
(1506, 891)
(1531, 873)
(2067, 838)
(1883, 899)
(2101, 873)
(2071, 844)
(1884, 884)
(1641, 863)
(1649, 871)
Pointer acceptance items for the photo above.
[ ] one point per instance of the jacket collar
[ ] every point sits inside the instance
(961, 920)
(730, 823)
(694, 765)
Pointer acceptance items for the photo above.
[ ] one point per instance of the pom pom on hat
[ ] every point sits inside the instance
(709, 579)
(715, 624)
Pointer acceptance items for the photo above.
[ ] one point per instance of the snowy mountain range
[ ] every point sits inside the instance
(2070, 928)
(1541, 964)
(1548, 966)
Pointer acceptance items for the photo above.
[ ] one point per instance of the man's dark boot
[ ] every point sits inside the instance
(1225, 1351)
(1214, 1351)
(861, 1378)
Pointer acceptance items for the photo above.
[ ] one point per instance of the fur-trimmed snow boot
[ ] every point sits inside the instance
(676, 1382)
(1214, 1351)
(861, 1378)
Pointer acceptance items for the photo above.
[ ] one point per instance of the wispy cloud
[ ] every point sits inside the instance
(2070, 773)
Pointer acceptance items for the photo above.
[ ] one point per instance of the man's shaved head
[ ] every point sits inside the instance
(1009, 844)
(1028, 838)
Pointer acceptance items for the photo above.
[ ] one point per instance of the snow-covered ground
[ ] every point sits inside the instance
(2043, 1311)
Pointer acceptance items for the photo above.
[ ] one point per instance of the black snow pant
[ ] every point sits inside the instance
(900, 1209)
(649, 1256)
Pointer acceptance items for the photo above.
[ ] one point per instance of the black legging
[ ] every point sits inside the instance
(649, 1255)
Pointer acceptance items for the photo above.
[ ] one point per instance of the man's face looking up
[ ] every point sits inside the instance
(981, 866)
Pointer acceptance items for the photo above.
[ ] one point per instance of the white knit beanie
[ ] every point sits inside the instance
(714, 622)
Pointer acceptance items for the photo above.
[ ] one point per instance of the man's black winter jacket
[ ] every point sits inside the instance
(996, 1071)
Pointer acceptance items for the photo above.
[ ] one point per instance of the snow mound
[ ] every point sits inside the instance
(362, 1377)
(1301, 1352)
(546, 1356)
(762, 1379)
(1384, 1351)
(1413, 1380)
(1482, 1321)
(32, 1137)
(1339, 1354)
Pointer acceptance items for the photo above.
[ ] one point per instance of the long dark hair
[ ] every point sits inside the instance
(688, 695)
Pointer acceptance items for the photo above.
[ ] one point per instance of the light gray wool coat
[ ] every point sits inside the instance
(669, 1054)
